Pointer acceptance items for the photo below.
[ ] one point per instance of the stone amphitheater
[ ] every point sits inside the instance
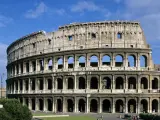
(94, 67)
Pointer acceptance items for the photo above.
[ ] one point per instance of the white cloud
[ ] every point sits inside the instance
(4, 20)
(40, 9)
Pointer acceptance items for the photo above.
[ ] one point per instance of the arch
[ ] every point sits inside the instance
(33, 104)
(82, 83)
(93, 105)
(132, 106)
(144, 106)
(106, 60)
(49, 104)
(26, 102)
(107, 83)
(119, 61)
(50, 64)
(132, 83)
(144, 83)
(60, 63)
(82, 61)
(59, 83)
(131, 61)
(106, 106)
(81, 105)
(41, 84)
(59, 105)
(94, 83)
(155, 83)
(70, 83)
(143, 61)
(119, 83)
(70, 105)
(41, 105)
(94, 61)
(49, 81)
(154, 105)
(119, 106)
(70, 62)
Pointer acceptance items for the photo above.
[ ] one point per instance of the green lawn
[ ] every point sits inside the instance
(42, 114)
(71, 118)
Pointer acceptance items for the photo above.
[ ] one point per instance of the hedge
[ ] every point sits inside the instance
(147, 116)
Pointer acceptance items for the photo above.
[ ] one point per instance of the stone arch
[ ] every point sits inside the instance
(94, 83)
(119, 60)
(41, 104)
(119, 83)
(106, 106)
(131, 61)
(131, 83)
(93, 105)
(144, 83)
(50, 64)
(70, 83)
(144, 106)
(107, 83)
(143, 61)
(155, 83)
(26, 102)
(33, 104)
(59, 105)
(106, 60)
(155, 105)
(59, 83)
(82, 83)
(70, 62)
(94, 61)
(70, 105)
(82, 61)
(81, 105)
(40, 82)
(49, 104)
(119, 106)
(132, 106)
(49, 85)
(60, 63)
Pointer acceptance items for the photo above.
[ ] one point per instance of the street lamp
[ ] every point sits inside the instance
(2, 75)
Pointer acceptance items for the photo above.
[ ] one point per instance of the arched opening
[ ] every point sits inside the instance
(50, 104)
(40, 84)
(144, 83)
(82, 83)
(131, 61)
(106, 106)
(93, 105)
(41, 65)
(106, 60)
(70, 105)
(94, 83)
(40, 104)
(132, 106)
(155, 83)
(144, 106)
(119, 83)
(132, 83)
(59, 83)
(50, 64)
(119, 106)
(33, 104)
(143, 61)
(81, 105)
(49, 81)
(82, 61)
(94, 61)
(32, 84)
(26, 84)
(21, 100)
(119, 61)
(154, 106)
(26, 101)
(106, 83)
(59, 105)
(70, 83)
(60, 63)
(70, 62)
(21, 84)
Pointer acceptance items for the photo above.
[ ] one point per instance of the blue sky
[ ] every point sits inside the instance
(21, 17)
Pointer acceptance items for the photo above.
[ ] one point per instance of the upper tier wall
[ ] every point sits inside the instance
(80, 36)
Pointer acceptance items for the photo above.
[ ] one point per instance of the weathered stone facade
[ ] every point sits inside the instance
(85, 67)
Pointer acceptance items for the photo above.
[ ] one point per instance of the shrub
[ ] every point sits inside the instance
(146, 116)
(15, 109)
(4, 115)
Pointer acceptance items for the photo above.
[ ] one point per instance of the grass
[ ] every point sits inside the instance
(42, 114)
(71, 118)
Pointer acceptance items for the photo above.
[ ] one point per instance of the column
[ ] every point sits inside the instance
(29, 85)
(24, 67)
(138, 61)
(113, 83)
(19, 65)
(14, 87)
(15, 70)
(53, 105)
(29, 104)
(113, 60)
(150, 83)
(44, 84)
(36, 104)
(65, 62)
(138, 83)
(100, 105)
(113, 105)
(18, 86)
(138, 105)
(44, 104)
(30, 66)
(126, 105)
(64, 104)
(100, 82)
(99, 60)
(125, 60)
(87, 61)
(150, 105)
(53, 83)
(126, 81)
(87, 105)
(75, 104)
(45, 64)
(159, 106)
(75, 82)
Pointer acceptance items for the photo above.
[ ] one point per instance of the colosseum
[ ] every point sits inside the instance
(94, 67)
